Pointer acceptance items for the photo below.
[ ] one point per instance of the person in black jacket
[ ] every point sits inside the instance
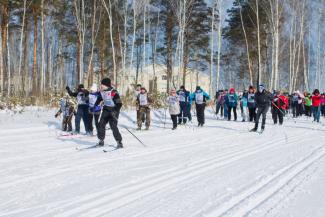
(82, 111)
(263, 99)
(112, 104)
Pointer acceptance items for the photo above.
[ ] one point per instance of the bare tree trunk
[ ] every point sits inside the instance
(219, 43)
(21, 40)
(247, 48)
(169, 62)
(4, 26)
(34, 76)
(211, 48)
(258, 44)
(8, 62)
(93, 39)
(109, 12)
(1, 64)
(42, 50)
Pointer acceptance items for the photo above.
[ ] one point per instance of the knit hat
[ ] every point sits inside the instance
(81, 86)
(106, 82)
(232, 90)
(94, 88)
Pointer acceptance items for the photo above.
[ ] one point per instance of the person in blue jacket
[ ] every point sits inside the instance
(184, 101)
(82, 111)
(251, 103)
(94, 110)
(200, 98)
(231, 102)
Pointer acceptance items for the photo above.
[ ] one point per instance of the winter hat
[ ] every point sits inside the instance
(182, 87)
(198, 88)
(94, 88)
(106, 82)
(232, 90)
(261, 87)
(81, 86)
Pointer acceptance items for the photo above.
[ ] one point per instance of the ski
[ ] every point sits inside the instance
(87, 148)
(114, 149)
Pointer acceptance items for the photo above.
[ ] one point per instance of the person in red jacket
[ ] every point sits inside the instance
(278, 107)
(316, 98)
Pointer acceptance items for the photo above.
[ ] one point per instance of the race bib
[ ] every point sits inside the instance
(81, 98)
(172, 100)
(92, 100)
(199, 98)
(108, 99)
(251, 98)
(231, 98)
(143, 99)
(182, 96)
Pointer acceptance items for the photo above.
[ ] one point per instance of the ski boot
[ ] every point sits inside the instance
(119, 145)
(100, 143)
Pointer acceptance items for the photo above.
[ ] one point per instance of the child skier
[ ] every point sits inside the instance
(143, 106)
(83, 108)
(67, 111)
(200, 98)
(111, 108)
(94, 111)
(173, 103)
(244, 104)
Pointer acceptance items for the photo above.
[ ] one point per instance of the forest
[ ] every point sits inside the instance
(46, 45)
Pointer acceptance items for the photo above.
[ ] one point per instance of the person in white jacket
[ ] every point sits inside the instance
(173, 105)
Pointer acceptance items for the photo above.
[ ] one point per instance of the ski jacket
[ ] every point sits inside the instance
(66, 108)
(173, 104)
(316, 100)
(244, 101)
(92, 101)
(111, 100)
(199, 97)
(263, 99)
(144, 100)
(251, 103)
(280, 102)
(184, 96)
(81, 95)
(308, 102)
(322, 100)
(231, 100)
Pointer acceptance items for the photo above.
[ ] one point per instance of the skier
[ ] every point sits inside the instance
(231, 102)
(294, 104)
(278, 107)
(143, 105)
(263, 99)
(184, 100)
(225, 107)
(136, 93)
(308, 104)
(300, 103)
(94, 111)
(173, 102)
(67, 110)
(111, 108)
(219, 102)
(322, 101)
(244, 104)
(316, 98)
(200, 98)
(83, 108)
(251, 103)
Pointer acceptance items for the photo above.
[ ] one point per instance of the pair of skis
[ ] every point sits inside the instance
(98, 146)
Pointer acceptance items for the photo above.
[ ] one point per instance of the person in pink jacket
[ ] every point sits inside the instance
(322, 103)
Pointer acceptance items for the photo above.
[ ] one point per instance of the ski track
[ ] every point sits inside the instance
(39, 147)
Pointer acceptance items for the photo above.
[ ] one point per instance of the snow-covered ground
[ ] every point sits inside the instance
(218, 170)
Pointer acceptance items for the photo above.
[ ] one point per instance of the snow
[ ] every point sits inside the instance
(218, 170)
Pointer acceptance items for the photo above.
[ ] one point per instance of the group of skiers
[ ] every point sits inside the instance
(254, 103)
(102, 105)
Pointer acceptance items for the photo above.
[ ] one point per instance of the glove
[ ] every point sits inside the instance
(56, 115)
(67, 88)
(276, 99)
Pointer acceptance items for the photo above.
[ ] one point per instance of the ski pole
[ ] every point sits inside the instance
(134, 136)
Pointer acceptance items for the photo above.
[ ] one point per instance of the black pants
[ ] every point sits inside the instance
(295, 109)
(219, 107)
(277, 113)
(174, 119)
(109, 117)
(252, 114)
(66, 123)
(93, 116)
(262, 110)
(182, 117)
(200, 113)
(308, 111)
(229, 113)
